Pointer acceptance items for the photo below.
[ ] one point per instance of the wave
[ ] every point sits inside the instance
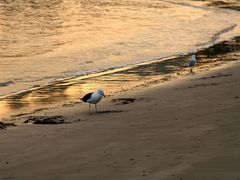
(217, 36)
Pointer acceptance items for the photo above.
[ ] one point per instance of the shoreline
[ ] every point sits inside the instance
(158, 122)
(226, 31)
(184, 128)
(67, 92)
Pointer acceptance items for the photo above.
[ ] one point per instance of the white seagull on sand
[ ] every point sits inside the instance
(93, 98)
(192, 62)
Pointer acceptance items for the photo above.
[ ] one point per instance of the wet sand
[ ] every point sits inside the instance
(67, 92)
(185, 128)
(174, 126)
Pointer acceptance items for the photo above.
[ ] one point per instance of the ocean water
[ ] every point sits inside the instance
(54, 51)
(42, 41)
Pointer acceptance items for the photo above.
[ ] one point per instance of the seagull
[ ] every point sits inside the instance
(192, 62)
(93, 98)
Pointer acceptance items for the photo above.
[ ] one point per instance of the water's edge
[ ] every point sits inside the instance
(78, 61)
(213, 41)
(114, 80)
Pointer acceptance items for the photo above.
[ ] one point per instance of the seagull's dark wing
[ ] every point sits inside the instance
(191, 63)
(87, 97)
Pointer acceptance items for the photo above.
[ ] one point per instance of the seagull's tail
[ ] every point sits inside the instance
(83, 99)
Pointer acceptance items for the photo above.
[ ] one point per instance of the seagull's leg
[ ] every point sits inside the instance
(96, 107)
(89, 108)
(191, 70)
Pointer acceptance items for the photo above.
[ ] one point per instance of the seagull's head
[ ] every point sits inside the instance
(101, 92)
(194, 57)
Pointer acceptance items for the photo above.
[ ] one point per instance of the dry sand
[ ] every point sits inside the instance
(187, 128)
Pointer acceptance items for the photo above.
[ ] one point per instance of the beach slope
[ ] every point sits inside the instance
(184, 128)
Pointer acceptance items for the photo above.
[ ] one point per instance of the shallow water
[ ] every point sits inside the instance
(44, 41)
(68, 92)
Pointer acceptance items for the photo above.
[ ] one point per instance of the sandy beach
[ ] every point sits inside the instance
(158, 120)
(186, 128)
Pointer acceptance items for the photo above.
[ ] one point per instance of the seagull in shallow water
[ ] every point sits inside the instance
(93, 98)
(192, 62)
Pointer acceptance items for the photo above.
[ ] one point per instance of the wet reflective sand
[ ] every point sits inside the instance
(112, 81)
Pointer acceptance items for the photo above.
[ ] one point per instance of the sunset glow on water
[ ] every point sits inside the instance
(42, 42)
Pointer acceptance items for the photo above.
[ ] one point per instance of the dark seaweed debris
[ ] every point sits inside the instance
(45, 120)
(225, 5)
(7, 83)
(5, 125)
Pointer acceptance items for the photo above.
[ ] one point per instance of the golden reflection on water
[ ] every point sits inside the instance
(4, 109)
(49, 39)
(71, 90)
(33, 27)
(112, 81)
(46, 40)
